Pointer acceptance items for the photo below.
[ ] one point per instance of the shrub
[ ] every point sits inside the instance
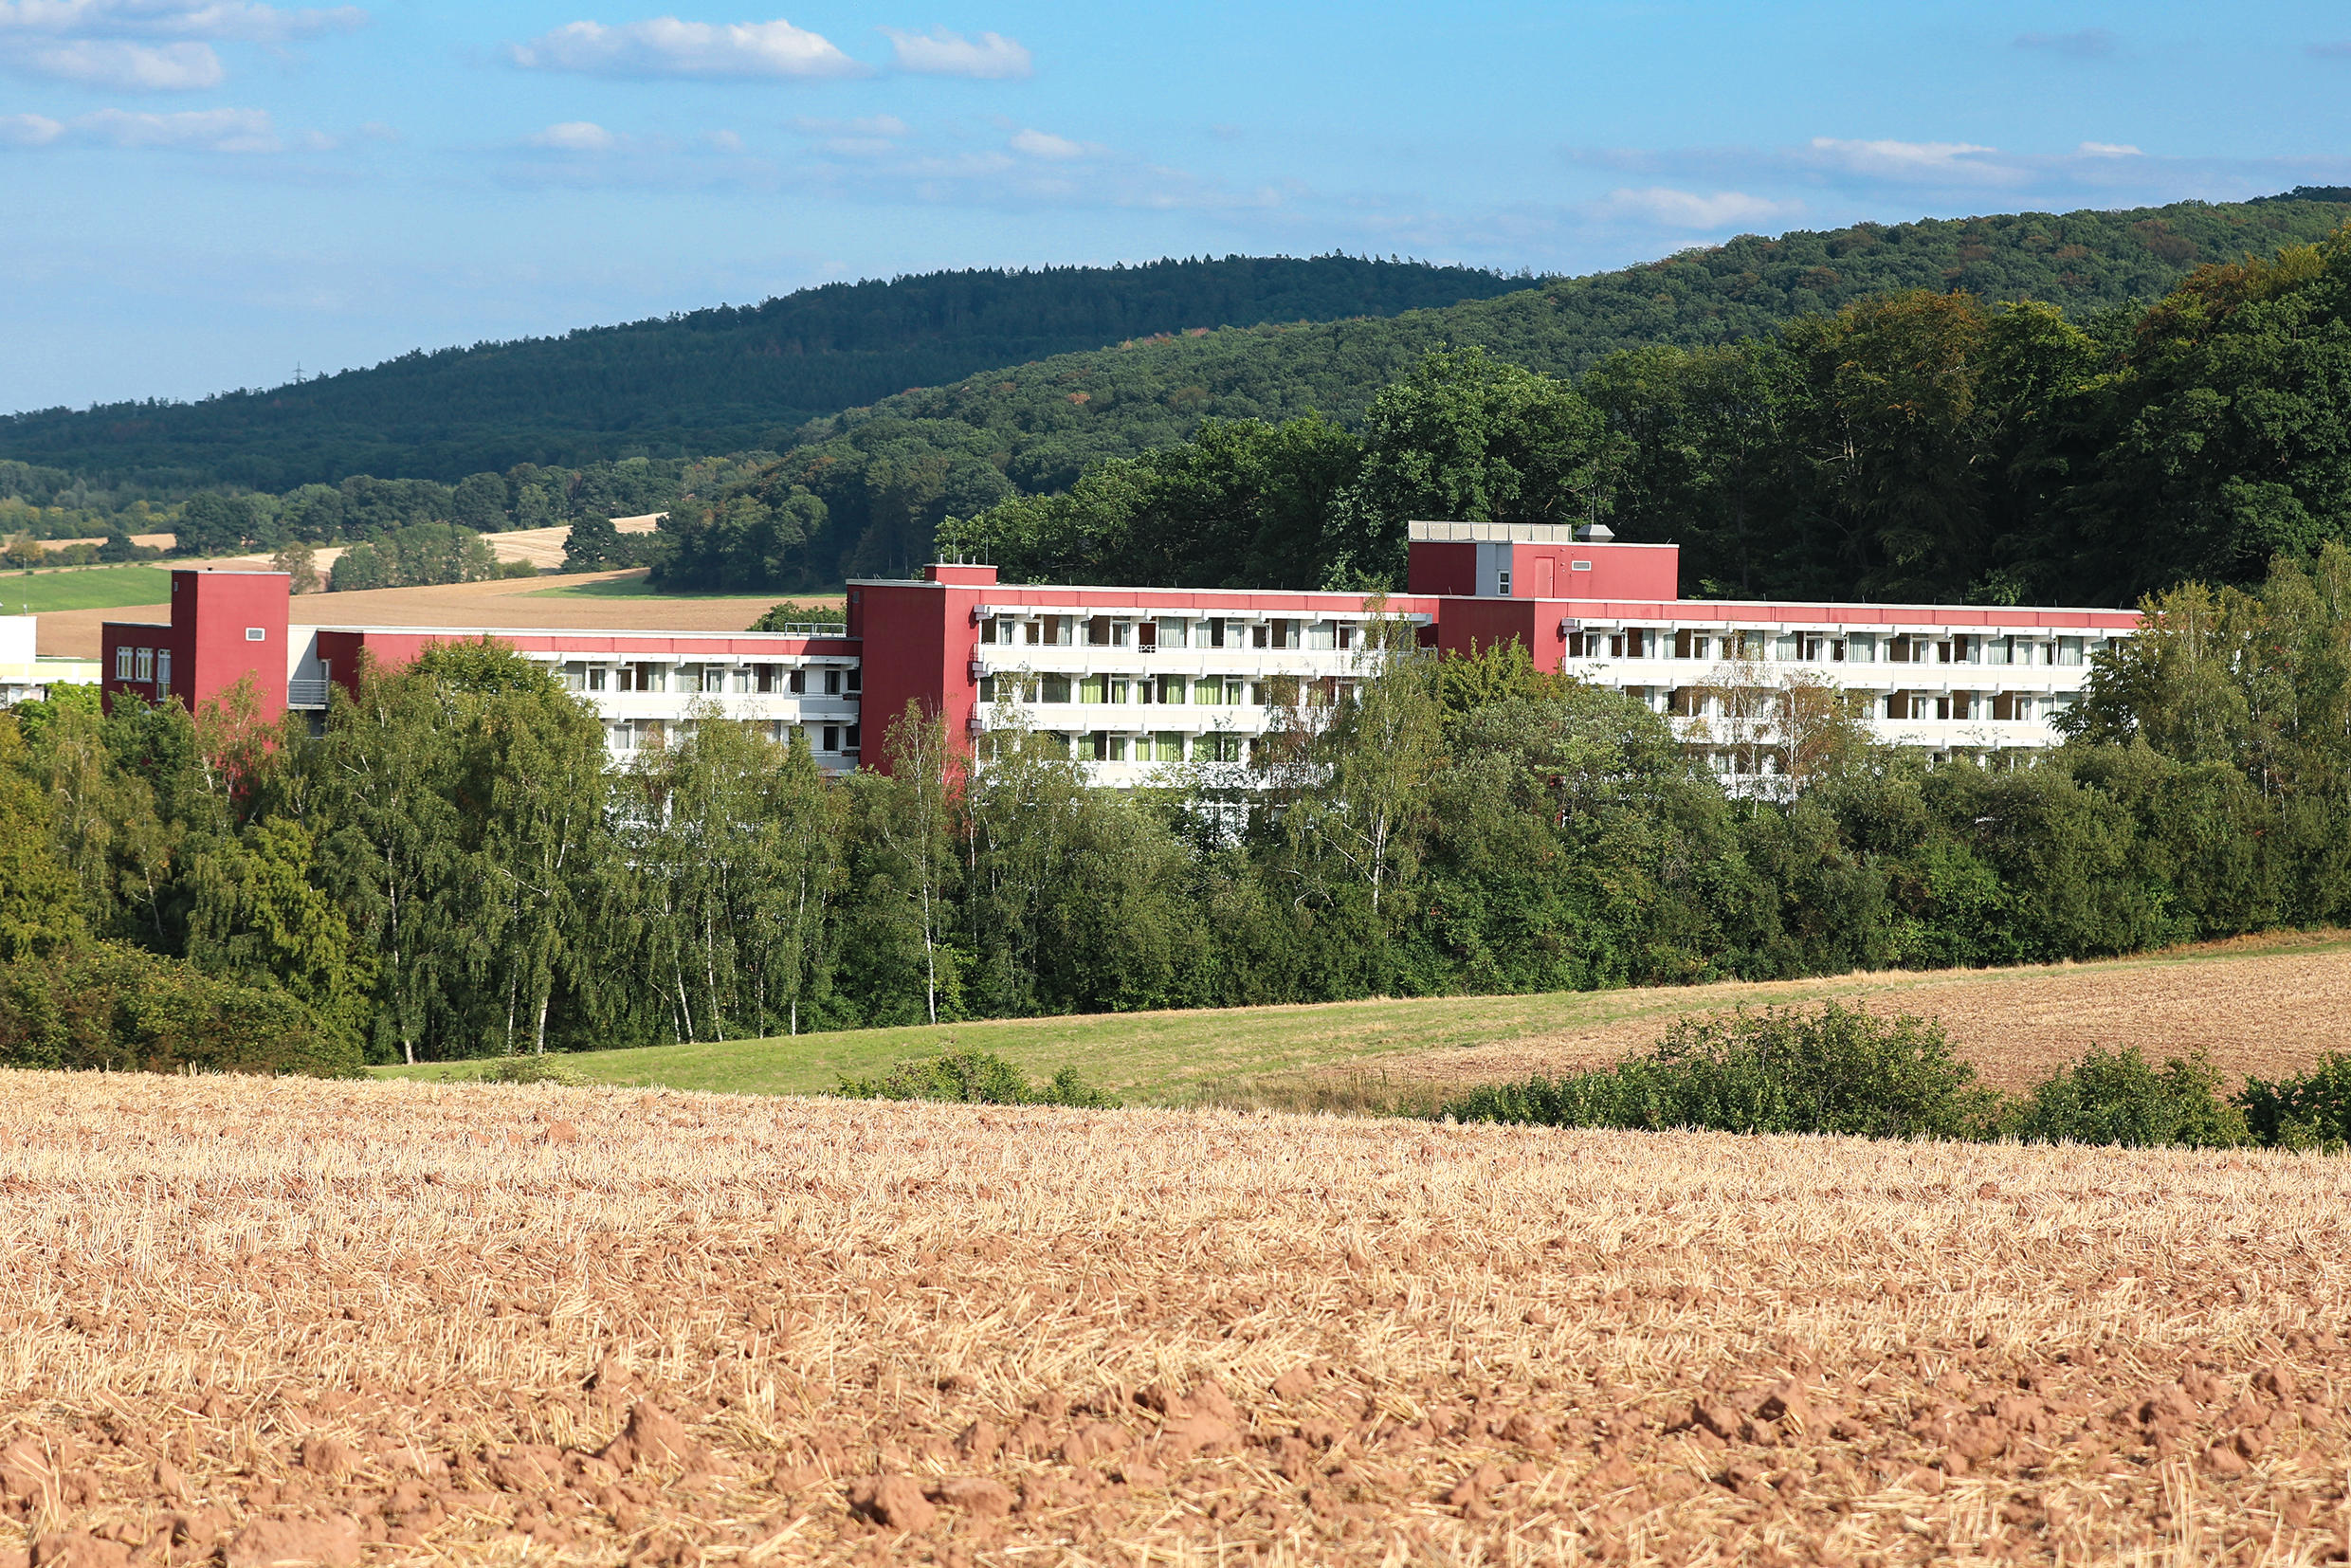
(1838, 1070)
(528, 1069)
(2117, 1097)
(2312, 1111)
(106, 1004)
(973, 1077)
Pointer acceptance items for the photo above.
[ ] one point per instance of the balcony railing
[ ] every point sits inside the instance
(306, 694)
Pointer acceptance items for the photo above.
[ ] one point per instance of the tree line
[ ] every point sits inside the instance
(453, 869)
(1914, 447)
(861, 488)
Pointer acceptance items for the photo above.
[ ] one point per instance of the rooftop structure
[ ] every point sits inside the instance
(1132, 679)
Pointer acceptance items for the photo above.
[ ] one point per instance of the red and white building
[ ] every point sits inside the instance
(1137, 679)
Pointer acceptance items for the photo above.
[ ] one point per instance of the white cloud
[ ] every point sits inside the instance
(1044, 144)
(866, 137)
(197, 131)
(2107, 149)
(215, 19)
(667, 47)
(118, 62)
(990, 57)
(575, 135)
(28, 130)
(1932, 162)
(1673, 208)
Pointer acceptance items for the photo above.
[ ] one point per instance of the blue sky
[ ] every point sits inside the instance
(207, 193)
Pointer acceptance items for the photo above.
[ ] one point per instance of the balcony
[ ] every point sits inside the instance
(309, 693)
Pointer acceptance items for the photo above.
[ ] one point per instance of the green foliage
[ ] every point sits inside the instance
(1838, 1070)
(778, 618)
(594, 545)
(528, 1069)
(2310, 1110)
(108, 1005)
(974, 1077)
(2118, 1097)
(708, 380)
(418, 556)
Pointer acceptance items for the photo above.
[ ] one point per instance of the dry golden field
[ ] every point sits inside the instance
(279, 1321)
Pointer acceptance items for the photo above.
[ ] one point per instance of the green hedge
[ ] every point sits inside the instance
(1845, 1072)
(105, 1005)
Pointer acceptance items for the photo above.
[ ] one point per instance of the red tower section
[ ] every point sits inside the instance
(226, 627)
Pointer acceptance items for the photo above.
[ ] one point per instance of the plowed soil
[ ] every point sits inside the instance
(285, 1321)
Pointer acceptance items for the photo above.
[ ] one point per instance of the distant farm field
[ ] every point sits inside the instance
(2269, 1006)
(289, 1322)
(47, 592)
(632, 586)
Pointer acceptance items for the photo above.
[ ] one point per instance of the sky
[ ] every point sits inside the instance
(207, 195)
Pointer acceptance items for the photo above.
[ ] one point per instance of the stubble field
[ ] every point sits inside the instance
(284, 1322)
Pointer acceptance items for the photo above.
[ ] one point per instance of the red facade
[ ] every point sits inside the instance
(225, 626)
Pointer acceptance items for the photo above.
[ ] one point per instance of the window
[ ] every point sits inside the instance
(595, 676)
(1121, 634)
(1094, 688)
(1217, 748)
(1031, 631)
(122, 661)
(832, 737)
(1995, 650)
(1350, 636)
(256, 634)
(1862, 648)
(1942, 653)
(849, 742)
(1901, 651)
(1118, 691)
(987, 689)
(1171, 689)
(988, 629)
(1322, 636)
(1097, 631)
(857, 678)
(795, 682)
(1167, 746)
(1215, 625)
(2068, 650)
(1056, 688)
(1209, 690)
(1174, 630)
(1501, 584)
(145, 665)
(833, 683)
(163, 672)
(1785, 647)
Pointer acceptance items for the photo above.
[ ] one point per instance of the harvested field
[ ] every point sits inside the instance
(395, 1321)
(2268, 1014)
(514, 603)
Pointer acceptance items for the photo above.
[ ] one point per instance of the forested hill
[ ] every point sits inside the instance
(718, 381)
(887, 475)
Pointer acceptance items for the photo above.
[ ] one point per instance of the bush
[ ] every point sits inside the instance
(1838, 1070)
(791, 613)
(2312, 1111)
(973, 1077)
(105, 1005)
(528, 1069)
(2117, 1097)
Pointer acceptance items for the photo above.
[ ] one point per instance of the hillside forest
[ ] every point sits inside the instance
(1700, 363)
(452, 870)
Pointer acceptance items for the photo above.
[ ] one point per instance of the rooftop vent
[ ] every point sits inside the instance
(1597, 532)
